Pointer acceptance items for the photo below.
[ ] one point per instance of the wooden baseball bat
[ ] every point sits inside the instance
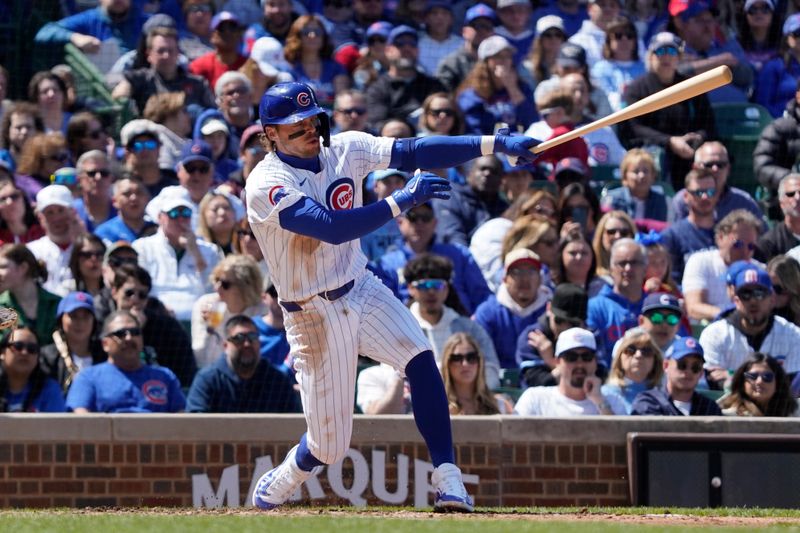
(694, 86)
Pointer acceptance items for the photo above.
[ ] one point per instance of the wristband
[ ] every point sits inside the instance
(487, 144)
(396, 211)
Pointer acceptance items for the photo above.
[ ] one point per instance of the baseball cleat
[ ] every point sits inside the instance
(451, 496)
(278, 485)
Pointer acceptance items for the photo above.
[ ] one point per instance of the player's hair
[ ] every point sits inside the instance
(243, 272)
(35, 150)
(737, 217)
(160, 31)
(619, 25)
(432, 266)
(525, 232)
(36, 380)
(484, 400)
(127, 271)
(82, 240)
(238, 320)
(21, 255)
(19, 108)
(781, 404)
(633, 157)
(787, 269)
(115, 315)
(292, 50)
(161, 107)
(636, 336)
(602, 255)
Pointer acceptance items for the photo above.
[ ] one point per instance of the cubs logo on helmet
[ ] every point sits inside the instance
(303, 99)
(155, 391)
(340, 194)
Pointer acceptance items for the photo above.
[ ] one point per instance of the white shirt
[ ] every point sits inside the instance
(57, 262)
(707, 271)
(548, 401)
(373, 385)
(486, 246)
(434, 51)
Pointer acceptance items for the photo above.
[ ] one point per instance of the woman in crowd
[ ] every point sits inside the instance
(440, 116)
(24, 387)
(42, 155)
(464, 381)
(85, 132)
(621, 63)
(49, 93)
(21, 278)
(550, 36)
(777, 82)
(613, 226)
(785, 274)
(577, 263)
(86, 265)
(578, 208)
(18, 222)
(534, 233)
(759, 32)
(638, 365)
(244, 243)
(637, 197)
(759, 387)
(21, 121)
(218, 220)
(237, 291)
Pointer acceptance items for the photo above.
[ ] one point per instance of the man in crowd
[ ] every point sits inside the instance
(479, 24)
(278, 18)
(350, 112)
(226, 37)
(195, 177)
(437, 39)
(129, 197)
(515, 26)
(785, 235)
(61, 226)
(94, 175)
(234, 93)
(661, 318)
(592, 34)
(141, 142)
(377, 243)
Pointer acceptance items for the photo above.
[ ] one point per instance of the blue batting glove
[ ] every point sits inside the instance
(421, 188)
(516, 146)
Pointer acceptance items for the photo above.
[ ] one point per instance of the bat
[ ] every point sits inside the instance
(694, 86)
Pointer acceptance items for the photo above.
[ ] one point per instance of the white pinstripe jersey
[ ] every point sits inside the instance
(302, 266)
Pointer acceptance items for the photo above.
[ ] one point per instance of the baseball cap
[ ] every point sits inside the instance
(575, 338)
(136, 127)
(214, 125)
(491, 46)
(53, 195)
(379, 29)
(224, 16)
(548, 22)
(267, 52)
(248, 134)
(196, 151)
(683, 347)
(570, 302)
(172, 197)
(75, 300)
(687, 9)
(571, 55)
(752, 275)
(159, 20)
(520, 256)
(117, 246)
(444, 4)
(733, 270)
(749, 4)
(382, 174)
(403, 29)
(791, 25)
(661, 300)
(480, 10)
(508, 3)
(571, 164)
(664, 39)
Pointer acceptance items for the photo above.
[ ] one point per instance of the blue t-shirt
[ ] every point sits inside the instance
(611, 315)
(614, 76)
(777, 84)
(105, 388)
(115, 229)
(681, 240)
(274, 345)
(50, 399)
(83, 214)
(504, 327)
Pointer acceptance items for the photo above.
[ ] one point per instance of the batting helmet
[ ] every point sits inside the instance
(291, 102)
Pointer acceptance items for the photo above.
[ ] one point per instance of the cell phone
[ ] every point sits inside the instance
(579, 215)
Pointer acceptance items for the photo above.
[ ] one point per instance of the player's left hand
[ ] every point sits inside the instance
(421, 188)
(516, 146)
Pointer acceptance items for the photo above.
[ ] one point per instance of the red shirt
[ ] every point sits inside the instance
(211, 68)
(34, 232)
(574, 148)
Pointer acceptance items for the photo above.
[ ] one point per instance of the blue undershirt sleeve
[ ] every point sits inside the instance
(436, 151)
(311, 219)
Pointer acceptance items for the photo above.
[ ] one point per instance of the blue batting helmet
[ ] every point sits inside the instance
(287, 103)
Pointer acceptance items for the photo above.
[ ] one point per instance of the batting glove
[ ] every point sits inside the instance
(421, 188)
(515, 146)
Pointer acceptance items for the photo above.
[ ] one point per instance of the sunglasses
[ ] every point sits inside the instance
(94, 134)
(572, 356)
(766, 377)
(748, 294)
(646, 351)
(241, 338)
(622, 232)
(123, 333)
(470, 357)
(351, 110)
(116, 262)
(698, 193)
(666, 51)
(202, 168)
(141, 146)
(224, 284)
(19, 346)
(129, 293)
(659, 318)
(199, 9)
(376, 39)
(624, 264)
(97, 174)
(236, 91)
(738, 244)
(429, 284)
(440, 112)
(424, 218)
(59, 158)
(488, 26)
(179, 212)
(621, 35)
(790, 194)
(763, 8)
(13, 197)
(567, 322)
(90, 255)
(696, 368)
(711, 164)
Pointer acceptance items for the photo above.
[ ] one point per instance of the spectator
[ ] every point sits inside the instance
(86, 265)
(24, 387)
(550, 35)
(704, 277)
(237, 285)
(169, 110)
(195, 178)
(440, 116)
(661, 318)
(536, 234)
(712, 156)
(578, 209)
(778, 79)
(519, 302)
(613, 226)
(759, 387)
(350, 111)
(578, 392)
(782, 236)
(577, 264)
(784, 272)
(338, 19)
(556, 108)
(21, 121)
(376, 244)
(211, 130)
(180, 261)
(638, 366)
(137, 58)
(383, 391)
(752, 327)
(373, 61)
(272, 332)
(436, 306)
(437, 38)
(775, 154)
(194, 39)
(241, 381)
(637, 197)
(18, 222)
(251, 152)
(683, 367)
(117, 254)
(620, 63)
(42, 155)
(396, 128)
(759, 33)
(493, 91)
(244, 243)
(278, 18)
(536, 344)
(129, 197)
(125, 384)
(678, 129)
(417, 229)
(94, 206)
(479, 24)
(226, 38)
(366, 12)
(219, 214)
(592, 34)
(517, 181)
(84, 133)
(464, 383)
(21, 277)
(141, 141)
(695, 232)
(515, 26)
(76, 345)
(571, 12)
(617, 307)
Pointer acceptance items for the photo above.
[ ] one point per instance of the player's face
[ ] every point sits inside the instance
(300, 139)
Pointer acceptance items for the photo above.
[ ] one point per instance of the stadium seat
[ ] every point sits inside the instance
(739, 126)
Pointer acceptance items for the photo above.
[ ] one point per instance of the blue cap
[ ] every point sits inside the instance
(683, 347)
(752, 275)
(661, 300)
(480, 10)
(792, 24)
(224, 16)
(196, 151)
(402, 30)
(444, 4)
(686, 9)
(380, 28)
(734, 269)
(73, 301)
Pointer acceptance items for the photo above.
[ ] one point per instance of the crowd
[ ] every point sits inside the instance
(141, 288)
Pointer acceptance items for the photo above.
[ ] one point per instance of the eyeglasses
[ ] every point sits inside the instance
(572, 356)
(116, 262)
(241, 338)
(13, 197)
(646, 351)
(624, 35)
(440, 112)
(759, 8)
(424, 218)
(632, 263)
(19, 346)
(179, 212)
(97, 174)
(141, 146)
(470, 357)
(659, 318)
(766, 377)
(224, 284)
(711, 164)
(746, 295)
(94, 134)
(567, 322)
(88, 254)
(199, 9)
(59, 157)
(307, 32)
(353, 110)
(683, 365)
(622, 232)
(236, 91)
(202, 168)
(698, 193)
(429, 284)
(790, 194)
(666, 51)
(123, 333)
(130, 293)
(738, 244)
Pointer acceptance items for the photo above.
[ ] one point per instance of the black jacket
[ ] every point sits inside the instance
(778, 240)
(658, 402)
(778, 150)
(394, 98)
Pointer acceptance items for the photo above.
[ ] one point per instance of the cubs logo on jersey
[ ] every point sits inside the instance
(340, 194)
(155, 391)
(275, 194)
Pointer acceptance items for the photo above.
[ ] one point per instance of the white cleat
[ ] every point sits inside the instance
(451, 496)
(278, 485)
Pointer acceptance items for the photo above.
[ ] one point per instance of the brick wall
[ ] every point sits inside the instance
(131, 460)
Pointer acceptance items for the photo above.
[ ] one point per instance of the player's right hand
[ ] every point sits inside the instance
(421, 188)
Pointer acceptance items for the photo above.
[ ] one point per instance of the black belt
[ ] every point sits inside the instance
(331, 295)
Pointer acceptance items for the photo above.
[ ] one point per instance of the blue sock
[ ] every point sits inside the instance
(430, 407)
(303, 456)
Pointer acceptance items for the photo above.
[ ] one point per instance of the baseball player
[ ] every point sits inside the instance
(304, 206)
